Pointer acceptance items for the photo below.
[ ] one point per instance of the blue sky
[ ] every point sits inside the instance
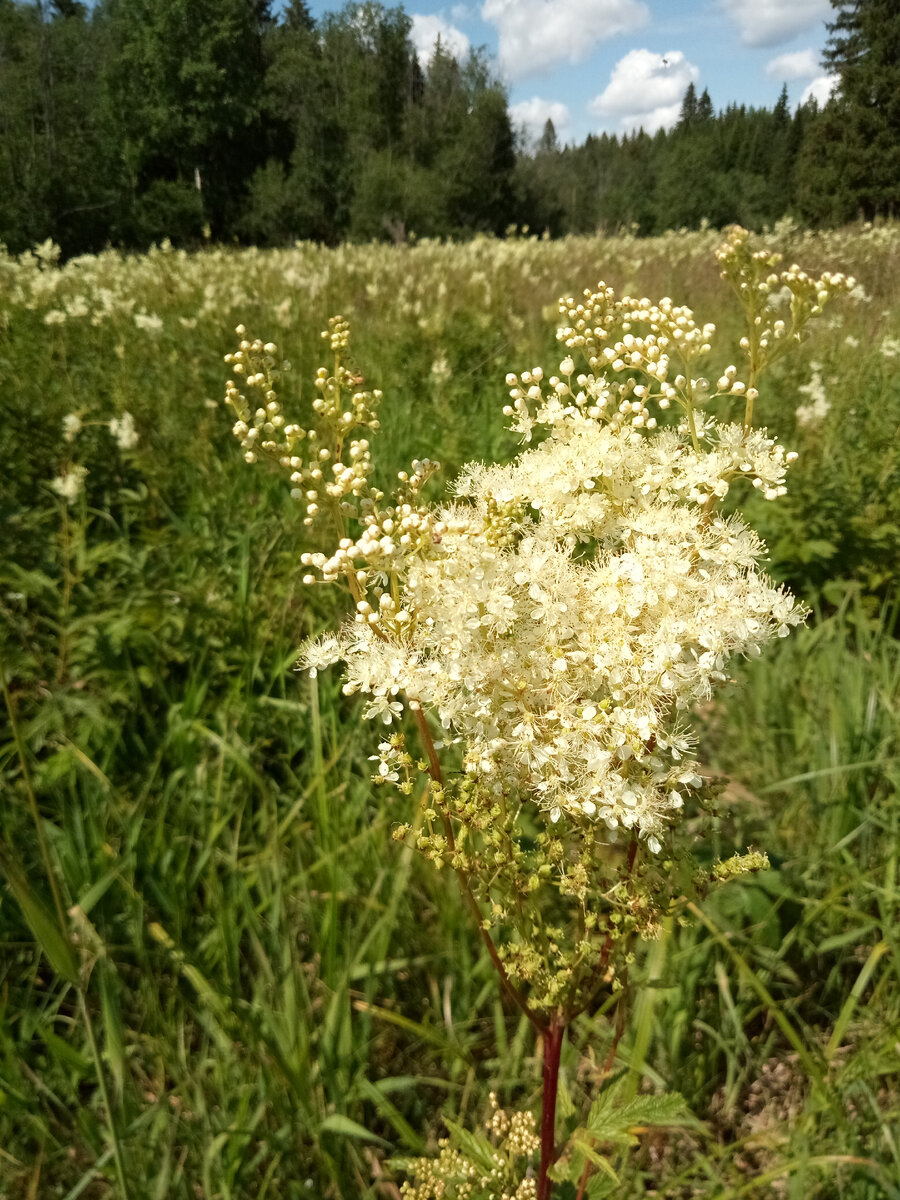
(594, 65)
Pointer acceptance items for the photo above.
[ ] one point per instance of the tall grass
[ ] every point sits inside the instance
(281, 996)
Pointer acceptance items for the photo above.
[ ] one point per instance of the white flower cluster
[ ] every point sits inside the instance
(565, 612)
(815, 412)
(70, 484)
(124, 431)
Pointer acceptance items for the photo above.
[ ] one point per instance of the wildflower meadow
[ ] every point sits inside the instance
(489, 788)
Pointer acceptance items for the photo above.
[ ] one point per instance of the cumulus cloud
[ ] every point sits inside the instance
(426, 29)
(798, 64)
(537, 35)
(535, 113)
(820, 88)
(769, 22)
(645, 89)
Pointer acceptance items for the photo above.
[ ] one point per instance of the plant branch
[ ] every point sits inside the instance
(597, 977)
(434, 770)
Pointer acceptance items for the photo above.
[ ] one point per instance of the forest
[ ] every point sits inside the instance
(135, 121)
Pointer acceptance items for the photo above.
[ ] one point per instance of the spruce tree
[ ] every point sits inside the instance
(856, 142)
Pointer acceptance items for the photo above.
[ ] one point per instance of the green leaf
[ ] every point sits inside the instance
(473, 1145)
(338, 1123)
(52, 940)
(113, 1028)
(570, 1167)
(564, 1105)
(610, 1119)
(64, 1053)
(374, 1093)
(600, 1185)
(587, 1151)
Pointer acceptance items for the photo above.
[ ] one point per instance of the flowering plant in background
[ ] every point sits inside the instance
(550, 627)
(69, 484)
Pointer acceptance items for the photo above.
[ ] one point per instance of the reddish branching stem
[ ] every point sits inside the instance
(553, 1040)
(553, 1032)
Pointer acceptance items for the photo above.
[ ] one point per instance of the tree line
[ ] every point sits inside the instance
(138, 120)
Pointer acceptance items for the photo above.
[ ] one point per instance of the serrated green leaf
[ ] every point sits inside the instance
(610, 1118)
(587, 1151)
(564, 1104)
(570, 1168)
(599, 1186)
(566, 1170)
(618, 1136)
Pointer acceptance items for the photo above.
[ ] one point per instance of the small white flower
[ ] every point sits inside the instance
(124, 431)
(319, 653)
(70, 485)
(71, 426)
(148, 322)
(383, 707)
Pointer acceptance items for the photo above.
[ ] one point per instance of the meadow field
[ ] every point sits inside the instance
(261, 994)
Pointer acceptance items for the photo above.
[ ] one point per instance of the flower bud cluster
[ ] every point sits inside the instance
(482, 1171)
(332, 474)
(760, 285)
(260, 425)
(389, 535)
(637, 352)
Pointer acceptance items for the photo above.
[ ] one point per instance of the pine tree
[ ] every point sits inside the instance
(704, 107)
(547, 143)
(688, 115)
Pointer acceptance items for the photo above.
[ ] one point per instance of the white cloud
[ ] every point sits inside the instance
(537, 35)
(798, 64)
(645, 89)
(821, 88)
(769, 22)
(535, 113)
(426, 29)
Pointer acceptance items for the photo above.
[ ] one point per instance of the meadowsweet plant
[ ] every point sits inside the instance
(550, 627)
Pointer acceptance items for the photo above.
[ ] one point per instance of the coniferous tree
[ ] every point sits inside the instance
(218, 113)
(704, 108)
(292, 193)
(688, 115)
(850, 163)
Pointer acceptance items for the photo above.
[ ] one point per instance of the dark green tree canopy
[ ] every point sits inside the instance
(240, 119)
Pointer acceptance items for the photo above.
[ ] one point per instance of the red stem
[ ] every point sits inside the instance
(553, 1040)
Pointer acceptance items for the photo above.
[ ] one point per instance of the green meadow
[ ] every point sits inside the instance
(220, 977)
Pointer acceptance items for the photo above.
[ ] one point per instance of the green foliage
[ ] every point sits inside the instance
(615, 1123)
(245, 121)
(272, 974)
